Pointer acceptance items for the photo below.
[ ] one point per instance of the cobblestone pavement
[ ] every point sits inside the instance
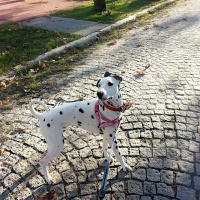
(160, 132)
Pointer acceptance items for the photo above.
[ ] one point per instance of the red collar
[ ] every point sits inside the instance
(120, 109)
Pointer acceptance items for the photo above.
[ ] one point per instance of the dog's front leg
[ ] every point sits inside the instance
(112, 139)
(105, 148)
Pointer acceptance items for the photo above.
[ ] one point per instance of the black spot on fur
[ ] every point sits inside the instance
(103, 108)
(111, 135)
(119, 153)
(52, 120)
(115, 141)
(81, 110)
(116, 146)
(74, 117)
(63, 140)
(92, 117)
(79, 123)
(48, 125)
(44, 120)
(61, 112)
(88, 104)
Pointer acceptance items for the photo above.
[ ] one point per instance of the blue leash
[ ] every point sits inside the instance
(105, 176)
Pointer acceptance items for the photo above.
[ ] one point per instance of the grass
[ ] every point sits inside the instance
(19, 44)
(33, 79)
(115, 10)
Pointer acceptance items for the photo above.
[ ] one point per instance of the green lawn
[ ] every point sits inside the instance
(115, 10)
(19, 44)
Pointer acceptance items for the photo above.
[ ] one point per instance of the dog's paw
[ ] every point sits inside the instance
(111, 159)
(49, 180)
(127, 168)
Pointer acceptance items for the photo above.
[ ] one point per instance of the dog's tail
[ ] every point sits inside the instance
(33, 111)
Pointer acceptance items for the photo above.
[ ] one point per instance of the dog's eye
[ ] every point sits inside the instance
(110, 84)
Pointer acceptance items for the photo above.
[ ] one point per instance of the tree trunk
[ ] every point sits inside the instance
(99, 5)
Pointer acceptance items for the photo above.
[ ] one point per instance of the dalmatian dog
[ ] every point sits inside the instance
(100, 115)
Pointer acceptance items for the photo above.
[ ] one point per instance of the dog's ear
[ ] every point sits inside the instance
(119, 78)
(107, 74)
(98, 82)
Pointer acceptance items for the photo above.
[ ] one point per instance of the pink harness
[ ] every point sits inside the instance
(107, 121)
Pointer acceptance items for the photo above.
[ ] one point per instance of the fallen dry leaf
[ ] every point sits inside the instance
(1, 103)
(141, 73)
(2, 150)
(137, 165)
(19, 129)
(49, 196)
(115, 41)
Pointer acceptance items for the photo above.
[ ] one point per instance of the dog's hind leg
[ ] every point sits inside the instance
(55, 146)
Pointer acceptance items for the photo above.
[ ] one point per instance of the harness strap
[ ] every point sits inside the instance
(108, 122)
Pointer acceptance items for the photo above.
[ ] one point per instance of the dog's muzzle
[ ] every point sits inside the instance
(100, 94)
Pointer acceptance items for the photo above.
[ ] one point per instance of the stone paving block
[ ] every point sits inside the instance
(135, 187)
(166, 176)
(4, 171)
(133, 197)
(194, 146)
(89, 188)
(36, 182)
(69, 176)
(81, 175)
(183, 179)
(23, 168)
(11, 181)
(197, 168)
(170, 164)
(3, 192)
(145, 198)
(145, 152)
(71, 190)
(90, 163)
(134, 151)
(118, 196)
(139, 174)
(187, 155)
(63, 166)
(165, 190)
(183, 144)
(117, 186)
(155, 163)
(197, 183)
(60, 191)
(160, 198)
(153, 175)
(186, 166)
(78, 164)
(173, 153)
(149, 188)
(25, 194)
(185, 193)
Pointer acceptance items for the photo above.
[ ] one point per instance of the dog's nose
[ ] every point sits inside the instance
(100, 94)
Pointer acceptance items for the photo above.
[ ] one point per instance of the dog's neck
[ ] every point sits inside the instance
(115, 102)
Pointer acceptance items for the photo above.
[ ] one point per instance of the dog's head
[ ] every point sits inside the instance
(108, 86)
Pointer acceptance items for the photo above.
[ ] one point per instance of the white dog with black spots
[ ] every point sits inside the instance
(83, 114)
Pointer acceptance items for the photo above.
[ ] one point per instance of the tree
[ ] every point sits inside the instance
(99, 5)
